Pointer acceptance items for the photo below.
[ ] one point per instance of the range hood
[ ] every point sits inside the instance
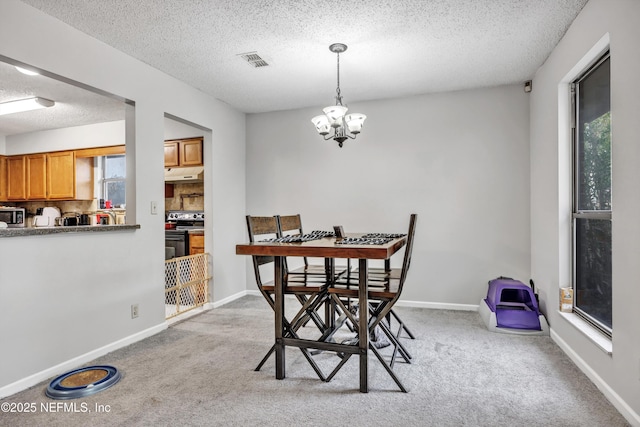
(194, 174)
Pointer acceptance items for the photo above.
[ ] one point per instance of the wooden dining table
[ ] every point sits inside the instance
(323, 248)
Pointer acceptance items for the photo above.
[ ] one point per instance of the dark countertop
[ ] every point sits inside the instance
(41, 231)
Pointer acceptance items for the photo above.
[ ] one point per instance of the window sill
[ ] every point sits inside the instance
(602, 342)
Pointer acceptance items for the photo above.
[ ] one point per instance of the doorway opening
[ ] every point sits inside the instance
(188, 234)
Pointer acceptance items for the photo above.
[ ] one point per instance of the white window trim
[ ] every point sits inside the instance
(565, 190)
(601, 341)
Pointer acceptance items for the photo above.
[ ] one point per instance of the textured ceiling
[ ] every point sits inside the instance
(396, 47)
(74, 106)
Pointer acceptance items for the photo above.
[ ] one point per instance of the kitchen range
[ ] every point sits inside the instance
(178, 227)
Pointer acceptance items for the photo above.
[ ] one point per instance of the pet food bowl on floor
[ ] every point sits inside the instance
(83, 382)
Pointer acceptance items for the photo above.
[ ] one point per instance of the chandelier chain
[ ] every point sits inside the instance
(338, 96)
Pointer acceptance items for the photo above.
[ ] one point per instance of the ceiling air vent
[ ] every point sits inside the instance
(254, 59)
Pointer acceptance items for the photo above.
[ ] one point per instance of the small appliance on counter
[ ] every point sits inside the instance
(84, 219)
(70, 221)
(13, 217)
(46, 217)
(102, 219)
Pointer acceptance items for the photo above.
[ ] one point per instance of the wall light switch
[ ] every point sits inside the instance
(154, 208)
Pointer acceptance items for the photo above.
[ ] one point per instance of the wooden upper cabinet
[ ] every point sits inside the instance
(84, 178)
(68, 177)
(61, 175)
(183, 152)
(171, 154)
(191, 152)
(49, 176)
(36, 176)
(3, 178)
(16, 178)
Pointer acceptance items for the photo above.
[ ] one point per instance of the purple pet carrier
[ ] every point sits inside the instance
(514, 304)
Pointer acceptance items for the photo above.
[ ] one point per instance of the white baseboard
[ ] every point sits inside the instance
(233, 297)
(206, 307)
(76, 362)
(438, 305)
(632, 417)
(419, 304)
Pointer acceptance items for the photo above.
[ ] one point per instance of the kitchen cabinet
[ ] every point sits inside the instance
(196, 244)
(3, 178)
(171, 154)
(36, 176)
(49, 176)
(191, 152)
(16, 178)
(68, 177)
(183, 152)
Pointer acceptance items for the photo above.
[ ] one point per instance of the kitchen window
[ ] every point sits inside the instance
(592, 207)
(113, 179)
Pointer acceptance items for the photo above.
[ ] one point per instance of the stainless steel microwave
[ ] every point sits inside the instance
(13, 217)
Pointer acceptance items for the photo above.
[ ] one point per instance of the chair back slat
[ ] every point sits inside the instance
(259, 228)
(406, 263)
(290, 225)
(262, 225)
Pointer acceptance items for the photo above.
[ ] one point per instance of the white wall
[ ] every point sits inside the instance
(71, 138)
(459, 160)
(67, 297)
(618, 374)
(176, 130)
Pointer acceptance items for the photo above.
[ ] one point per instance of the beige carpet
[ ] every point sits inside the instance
(200, 372)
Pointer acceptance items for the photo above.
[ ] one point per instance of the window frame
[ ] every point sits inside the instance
(577, 213)
(104, 182)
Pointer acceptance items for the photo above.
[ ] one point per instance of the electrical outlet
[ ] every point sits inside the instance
(134, 311)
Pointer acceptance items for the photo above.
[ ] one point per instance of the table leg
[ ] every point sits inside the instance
(329, 314)
(363, 327)
(279, 316)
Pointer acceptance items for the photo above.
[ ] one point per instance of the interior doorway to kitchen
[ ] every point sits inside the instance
(188, 233)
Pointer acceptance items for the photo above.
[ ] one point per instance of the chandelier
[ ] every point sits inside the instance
(344, 125)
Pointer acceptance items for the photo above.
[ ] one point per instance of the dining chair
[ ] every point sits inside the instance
(310, 294)
(292, 225)
(382, 296)
(384, 274)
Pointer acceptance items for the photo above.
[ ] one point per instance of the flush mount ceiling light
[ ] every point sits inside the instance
(27, 72)
(25, 105)
(344, 125)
